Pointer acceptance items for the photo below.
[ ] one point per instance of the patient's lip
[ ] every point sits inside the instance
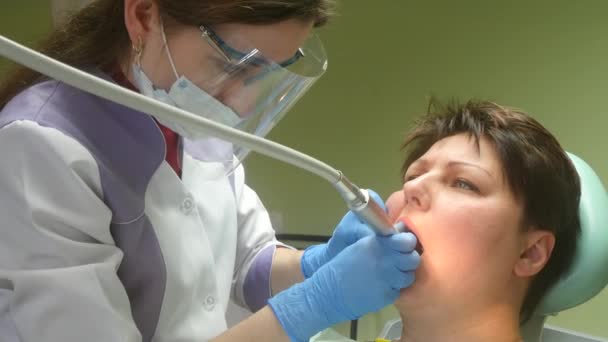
(403, 224)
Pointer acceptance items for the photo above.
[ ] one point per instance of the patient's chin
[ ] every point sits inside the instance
(412, 295)
(406, 299)
(411, 299)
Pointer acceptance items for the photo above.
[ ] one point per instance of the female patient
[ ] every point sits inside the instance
(493, 199)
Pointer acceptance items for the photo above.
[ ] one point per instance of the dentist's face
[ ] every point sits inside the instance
(466, 218)
(200, 60)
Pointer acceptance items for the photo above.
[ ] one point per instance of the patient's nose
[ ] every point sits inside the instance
(416, 195)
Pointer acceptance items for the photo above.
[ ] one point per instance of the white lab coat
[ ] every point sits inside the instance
(84, 257)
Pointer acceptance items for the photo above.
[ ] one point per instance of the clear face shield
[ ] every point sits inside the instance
(241, 88)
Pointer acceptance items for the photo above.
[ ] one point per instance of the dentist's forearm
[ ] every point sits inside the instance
(262, 326)
(286, 269)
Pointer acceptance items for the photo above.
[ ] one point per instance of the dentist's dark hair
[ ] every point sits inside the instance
(537, 169)
(96, 36)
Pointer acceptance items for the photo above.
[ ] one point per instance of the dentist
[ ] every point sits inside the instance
(120, 227)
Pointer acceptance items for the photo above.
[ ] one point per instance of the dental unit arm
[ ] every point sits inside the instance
(358, 200)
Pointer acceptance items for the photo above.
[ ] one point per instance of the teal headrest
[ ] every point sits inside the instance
(589, 273)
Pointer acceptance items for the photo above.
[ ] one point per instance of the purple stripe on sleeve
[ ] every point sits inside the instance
(256, 288)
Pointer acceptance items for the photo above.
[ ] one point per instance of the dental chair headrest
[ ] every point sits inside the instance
(589, 272)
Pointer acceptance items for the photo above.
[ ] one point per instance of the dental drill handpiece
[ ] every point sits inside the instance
(360, 202)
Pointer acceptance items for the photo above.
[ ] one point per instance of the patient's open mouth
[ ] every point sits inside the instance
(409, 227)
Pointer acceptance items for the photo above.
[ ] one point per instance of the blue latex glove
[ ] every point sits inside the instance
(350, 229)
(365, 277)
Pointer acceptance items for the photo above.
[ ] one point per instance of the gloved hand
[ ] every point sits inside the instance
(365, 277)
(350, 229)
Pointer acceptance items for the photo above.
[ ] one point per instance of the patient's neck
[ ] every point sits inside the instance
(431, 324)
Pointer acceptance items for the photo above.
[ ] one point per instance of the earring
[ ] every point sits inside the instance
(137, 48)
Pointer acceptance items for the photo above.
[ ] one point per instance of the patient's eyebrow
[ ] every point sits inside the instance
(460, 162)
(423, 163)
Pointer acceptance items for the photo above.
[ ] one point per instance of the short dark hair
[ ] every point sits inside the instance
(536, 167)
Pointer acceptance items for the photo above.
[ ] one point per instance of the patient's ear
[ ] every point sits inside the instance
(537, 246)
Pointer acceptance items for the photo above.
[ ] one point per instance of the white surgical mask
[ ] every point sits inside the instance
(187, 96)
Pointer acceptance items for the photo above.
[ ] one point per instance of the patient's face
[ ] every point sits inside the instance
(467, 219)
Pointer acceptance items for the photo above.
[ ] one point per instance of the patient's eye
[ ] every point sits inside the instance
(410, 177)
(465, 185)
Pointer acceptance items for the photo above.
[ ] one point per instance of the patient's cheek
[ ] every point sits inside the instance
(395, 204)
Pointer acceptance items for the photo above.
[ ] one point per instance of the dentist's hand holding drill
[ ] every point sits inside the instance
(354, 273)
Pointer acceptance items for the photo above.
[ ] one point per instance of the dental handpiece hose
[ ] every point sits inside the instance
(358, 200)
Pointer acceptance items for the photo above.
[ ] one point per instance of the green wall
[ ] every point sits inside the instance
(25, 21)
(386, 58)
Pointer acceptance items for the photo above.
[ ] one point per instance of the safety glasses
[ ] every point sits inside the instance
(230, 54)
